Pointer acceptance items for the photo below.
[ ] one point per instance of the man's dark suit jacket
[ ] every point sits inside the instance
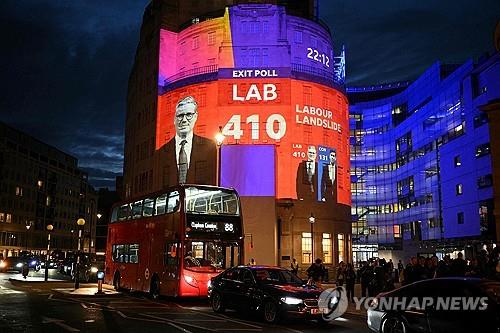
(328, 189)
(304, 190)
(202, 163)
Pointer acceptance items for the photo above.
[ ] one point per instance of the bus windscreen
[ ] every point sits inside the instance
(211, 201)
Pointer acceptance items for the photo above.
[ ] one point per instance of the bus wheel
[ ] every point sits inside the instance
(154, 290)
(116, 281)
(216, 301)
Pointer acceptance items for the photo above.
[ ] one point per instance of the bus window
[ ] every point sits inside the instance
(149, 205)
(137, 209)
(208, 256)
(173, 202)
(133, 253)
(211, 201)
(114, 215)
(120, 253)
(124, 212)
(171, 252)
(161, 202)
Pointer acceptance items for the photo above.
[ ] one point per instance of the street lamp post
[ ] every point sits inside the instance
(219, 140)
(81, 223)
(50, 227)
(312, 219)
(28, 226)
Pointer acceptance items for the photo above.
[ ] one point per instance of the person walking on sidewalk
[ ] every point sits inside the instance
(366, 275)
(295, 266)
(350, 280)
(315, 273)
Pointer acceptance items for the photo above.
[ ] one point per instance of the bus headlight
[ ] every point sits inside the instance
(2, 264)
(191, 281)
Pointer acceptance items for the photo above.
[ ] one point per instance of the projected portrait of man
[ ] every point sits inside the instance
(329, 179)
(190, 158)
(307, 176)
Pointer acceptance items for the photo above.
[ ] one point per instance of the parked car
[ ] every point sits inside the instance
(11, 264)
(438, 305)
(273, 291)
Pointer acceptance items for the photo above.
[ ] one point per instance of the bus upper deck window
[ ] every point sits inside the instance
(161, 202)
(148, 208)
(173, 202)
(137, 209)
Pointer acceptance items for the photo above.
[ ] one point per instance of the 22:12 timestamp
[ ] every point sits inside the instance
(317, 56)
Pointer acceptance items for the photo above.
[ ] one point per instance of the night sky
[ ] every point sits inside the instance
(65, 64)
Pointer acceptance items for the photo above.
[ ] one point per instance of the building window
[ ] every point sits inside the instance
(482, 150)
(306, 248)
(19, 191)
(459, 189)
(460, 218)
(327, 248)
(341, 246)
(396, 229)
(485, 181)
(480, 120)
(212, 38)
(196, 42)
(2, 217)
(40, 184)
(457, 161)
(298, 36)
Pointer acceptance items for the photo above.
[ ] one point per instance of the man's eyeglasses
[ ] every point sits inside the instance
(188, 116)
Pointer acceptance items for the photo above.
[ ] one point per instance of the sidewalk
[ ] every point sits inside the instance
(107, 290)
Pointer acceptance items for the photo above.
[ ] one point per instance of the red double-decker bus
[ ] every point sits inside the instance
(172, 243)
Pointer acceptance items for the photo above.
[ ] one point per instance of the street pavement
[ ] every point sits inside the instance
(37, 306)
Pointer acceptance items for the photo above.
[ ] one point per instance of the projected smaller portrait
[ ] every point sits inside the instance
(190, 158)
(329, 177)
(307, 176)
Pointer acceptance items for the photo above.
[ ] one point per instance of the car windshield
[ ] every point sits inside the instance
(279, 276)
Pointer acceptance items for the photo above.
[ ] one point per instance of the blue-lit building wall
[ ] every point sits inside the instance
(420, 159)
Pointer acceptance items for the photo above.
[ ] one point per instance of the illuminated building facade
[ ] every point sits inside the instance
(421, 163)
(265, 75)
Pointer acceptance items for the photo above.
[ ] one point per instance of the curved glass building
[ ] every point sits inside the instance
(421, 166)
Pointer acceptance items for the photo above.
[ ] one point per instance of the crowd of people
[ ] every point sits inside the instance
(379, 275)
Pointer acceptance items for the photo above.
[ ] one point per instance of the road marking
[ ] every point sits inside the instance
(179, 323)
(84, 306)
(60, 323)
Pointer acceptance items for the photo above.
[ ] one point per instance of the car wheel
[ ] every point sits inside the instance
(271, 312)
(393, 325)
(154, 290)
(217, 304)
(116, 281)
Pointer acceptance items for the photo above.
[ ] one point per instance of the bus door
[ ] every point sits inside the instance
(170, 284)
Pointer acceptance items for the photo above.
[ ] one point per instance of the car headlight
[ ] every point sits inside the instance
(33, 263)
(94, 270)
(19, 265)
(291, 300)
(2, 264)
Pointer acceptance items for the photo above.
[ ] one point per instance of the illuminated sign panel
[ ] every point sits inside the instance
(258, 103)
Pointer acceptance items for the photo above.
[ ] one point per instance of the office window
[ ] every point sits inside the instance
(341, 246)
(485, 181)
(327, 248)
(459, 189)
(306, 248)
(457, 161)
(396, 230)
(19, 191)
(2, 217)
(482, 150)
(212, 38)
(460, 218)
(481, 119)
(8, 218)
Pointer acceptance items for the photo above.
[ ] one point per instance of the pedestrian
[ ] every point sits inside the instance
(366, 274)
(459, 265)
(252, 262)
(341, 274)
(315, 273)
(350, 280)
(295, 266)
